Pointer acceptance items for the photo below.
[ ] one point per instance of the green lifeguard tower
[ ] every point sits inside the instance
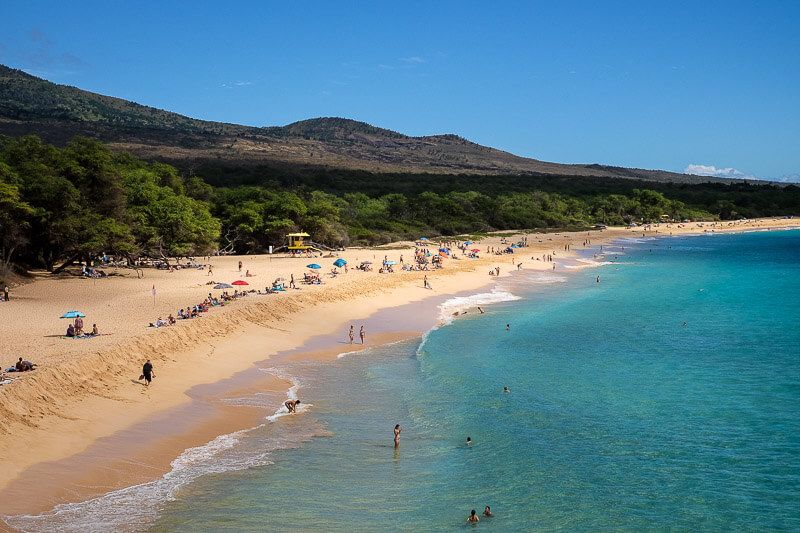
(297, 242)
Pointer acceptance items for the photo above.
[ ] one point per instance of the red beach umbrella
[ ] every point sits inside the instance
(240, 282)
(476, 250)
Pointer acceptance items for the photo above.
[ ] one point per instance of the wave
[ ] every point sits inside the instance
(132, 508)
(459, 304)
(291, 394)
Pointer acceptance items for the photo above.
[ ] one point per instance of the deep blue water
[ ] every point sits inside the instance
(667, 396)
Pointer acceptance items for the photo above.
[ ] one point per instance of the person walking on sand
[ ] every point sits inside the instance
(210, 271)
(397, 431)
(352, 333)
(291, 282)
(425, 283)
(291, 405)
(240, 266)
(6, 297)
(147, 373)
(362, 334)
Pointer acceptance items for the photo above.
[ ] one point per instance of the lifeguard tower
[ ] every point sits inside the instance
(297, 242)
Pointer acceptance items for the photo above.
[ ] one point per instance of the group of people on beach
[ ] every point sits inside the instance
(352, 334)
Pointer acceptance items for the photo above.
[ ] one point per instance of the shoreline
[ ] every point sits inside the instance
(236, 344)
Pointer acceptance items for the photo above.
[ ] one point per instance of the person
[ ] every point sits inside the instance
(78, 326)
(362, 334)
(487, 512)
(70, 330)
(598, 279)
(147, 373)
(24, 366)
(425, 283)
(397, 431)
(473, 517)
(469, 441)
(352, 333)
(506, 389)
(95, 331)
(5, 293)
(291, 405)
(291, 282)
(210, 271)
(508, 327)
(240, 266)
(480, 310)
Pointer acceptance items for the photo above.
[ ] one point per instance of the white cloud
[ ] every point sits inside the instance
(718, 172)
(234, 84)
(416, 60)
(790, 178)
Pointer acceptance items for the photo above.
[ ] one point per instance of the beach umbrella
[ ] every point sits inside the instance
(467, 243)
(313, 266)
(240, 282)
(223, 286)
(339, 262)
(73, 314)
(476, 250)
(443, 254)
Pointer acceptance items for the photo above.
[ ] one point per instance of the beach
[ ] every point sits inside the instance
(82, 413)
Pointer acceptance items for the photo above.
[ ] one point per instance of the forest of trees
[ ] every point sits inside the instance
(58, 205)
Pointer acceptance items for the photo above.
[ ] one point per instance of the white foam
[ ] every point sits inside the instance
(291, 394)
(462, 303)
(135, 508)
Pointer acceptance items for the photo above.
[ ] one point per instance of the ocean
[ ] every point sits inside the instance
(666, 396)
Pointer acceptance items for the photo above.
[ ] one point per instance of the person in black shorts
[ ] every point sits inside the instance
(147, 373)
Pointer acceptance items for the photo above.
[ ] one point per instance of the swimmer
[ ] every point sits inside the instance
(506, 389)
(291, 405)
(487, 512)
(469, 441)
(397, 431)
(480, 310)
(473, 517)
(508, 327)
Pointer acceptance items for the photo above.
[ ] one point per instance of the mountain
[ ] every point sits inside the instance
(58, 112)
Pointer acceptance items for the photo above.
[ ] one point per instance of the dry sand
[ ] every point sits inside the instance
(84, 407)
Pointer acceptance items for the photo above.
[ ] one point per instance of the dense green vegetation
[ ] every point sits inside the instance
(75, 202)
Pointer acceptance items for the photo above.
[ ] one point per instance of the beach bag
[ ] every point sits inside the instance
(141, 377)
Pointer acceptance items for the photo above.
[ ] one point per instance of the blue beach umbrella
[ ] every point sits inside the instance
(314, 266)
(73, 314)
(223, 286)
(339, 262)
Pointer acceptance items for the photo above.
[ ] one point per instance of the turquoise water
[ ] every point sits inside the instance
(619, 416)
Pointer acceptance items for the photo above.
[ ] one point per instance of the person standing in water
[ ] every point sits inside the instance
(291, 405)
(362, 334)
(487, 512)
(352, 333)
(397, 431)
(508, 327)
(469, 441)
(473, 517)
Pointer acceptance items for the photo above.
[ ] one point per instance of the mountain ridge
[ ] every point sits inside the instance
(29, 104)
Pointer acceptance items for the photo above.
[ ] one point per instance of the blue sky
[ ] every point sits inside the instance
(644, 84)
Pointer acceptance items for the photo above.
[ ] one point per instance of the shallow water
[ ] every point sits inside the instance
(664, 397)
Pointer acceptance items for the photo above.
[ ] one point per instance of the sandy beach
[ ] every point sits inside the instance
(85, 424)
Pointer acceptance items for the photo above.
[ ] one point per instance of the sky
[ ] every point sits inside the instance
(706, 87)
